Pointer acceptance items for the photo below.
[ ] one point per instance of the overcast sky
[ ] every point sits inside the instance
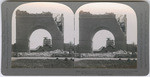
(69, 34)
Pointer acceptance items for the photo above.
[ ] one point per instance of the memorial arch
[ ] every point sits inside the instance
(27, 23)
(90, 24)
(25, 20)
(119, 19)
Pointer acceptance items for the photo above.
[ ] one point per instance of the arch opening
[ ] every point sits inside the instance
(40, 40)
(103, 39)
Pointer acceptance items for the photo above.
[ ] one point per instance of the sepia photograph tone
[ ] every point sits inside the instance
(51, 35)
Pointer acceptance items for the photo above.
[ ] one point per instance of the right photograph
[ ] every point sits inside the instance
(106, 36)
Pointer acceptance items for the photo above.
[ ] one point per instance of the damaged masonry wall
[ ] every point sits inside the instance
(27, 23)
(121, 19)
(58, 18)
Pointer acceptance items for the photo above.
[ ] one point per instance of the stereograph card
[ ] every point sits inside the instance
(75, 37)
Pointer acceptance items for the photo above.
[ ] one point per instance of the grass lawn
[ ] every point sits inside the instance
(105, 64)
(53, 63)
(42, 63)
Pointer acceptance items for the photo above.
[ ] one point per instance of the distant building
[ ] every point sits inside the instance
(110, 47)
(106, 49)
(47, 42)
(47, 45)
(109, 42)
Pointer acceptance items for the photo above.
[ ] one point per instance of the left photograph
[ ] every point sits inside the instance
(43, 36)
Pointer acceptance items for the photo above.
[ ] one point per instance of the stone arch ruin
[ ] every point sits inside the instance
(90, 24)
(26, 23)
